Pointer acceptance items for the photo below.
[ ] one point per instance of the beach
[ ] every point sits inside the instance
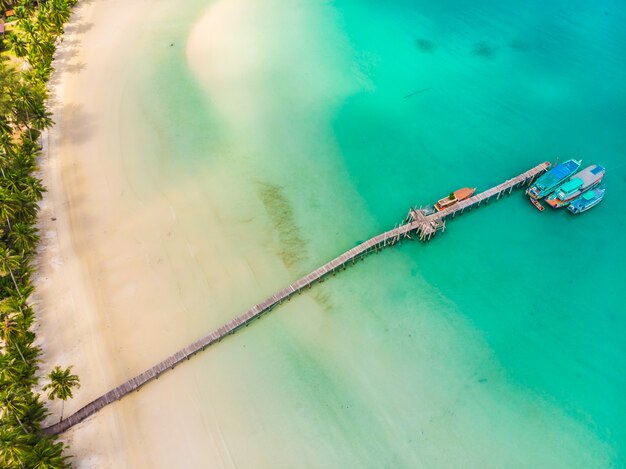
(204, 158)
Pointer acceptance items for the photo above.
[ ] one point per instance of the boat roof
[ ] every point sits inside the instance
(590, 174)
(572, 184)
(589, 195)
(597, 169)
(558, 173)
(464, 192)
(563, 169)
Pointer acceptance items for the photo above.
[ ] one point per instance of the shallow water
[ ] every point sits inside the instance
(497, 344)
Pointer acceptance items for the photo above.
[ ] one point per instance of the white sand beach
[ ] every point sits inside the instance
(122, 278)
(144, 250)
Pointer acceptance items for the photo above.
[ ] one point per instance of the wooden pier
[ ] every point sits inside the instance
(430, 224)
(418, 222)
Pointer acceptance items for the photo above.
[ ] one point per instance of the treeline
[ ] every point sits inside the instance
(25, 68)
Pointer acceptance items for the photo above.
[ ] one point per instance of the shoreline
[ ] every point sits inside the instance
(62, 295)
(111, 241)
(145, 256)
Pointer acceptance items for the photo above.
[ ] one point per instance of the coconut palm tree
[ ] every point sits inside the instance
(24, 105)
(9, 262)
(14, 371)
(13, 403)
(14, 448)
(10, 332)
(8, 78)
(34, 415)
(42, 119)
(24, 237)
(47, 454)
(9, 206)
(18, 44)
(61, 384)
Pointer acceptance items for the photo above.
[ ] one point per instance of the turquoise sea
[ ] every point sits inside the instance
(498, 344)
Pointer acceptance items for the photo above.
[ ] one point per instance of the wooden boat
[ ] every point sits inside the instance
(577, 185)
(454, 197)
(537, 204)
(546, 184)
(587, 200)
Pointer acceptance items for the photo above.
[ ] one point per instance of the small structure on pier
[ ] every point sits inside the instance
(429, 223)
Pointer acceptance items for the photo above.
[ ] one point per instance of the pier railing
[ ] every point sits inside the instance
(418, 222)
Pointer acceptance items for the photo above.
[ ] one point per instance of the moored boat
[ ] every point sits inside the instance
(550, 181)
(578, 184)
(454, 197)
(537, 204)
(586, 201)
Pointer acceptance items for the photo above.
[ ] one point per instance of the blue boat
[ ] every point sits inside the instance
(587, 200)
(578, 184)
(551, 180)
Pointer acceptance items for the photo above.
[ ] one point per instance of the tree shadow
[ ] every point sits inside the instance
(78, 28)
(78, 125)
(75, 68)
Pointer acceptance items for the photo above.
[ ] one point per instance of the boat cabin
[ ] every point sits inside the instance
(569, 188)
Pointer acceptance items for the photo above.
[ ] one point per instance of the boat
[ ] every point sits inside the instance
(550, 181)
(537, 204)
(579, 183)
(586, 201)
(454, 197)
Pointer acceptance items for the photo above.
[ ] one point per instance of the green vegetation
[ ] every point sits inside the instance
(61, 384)
(24, 72)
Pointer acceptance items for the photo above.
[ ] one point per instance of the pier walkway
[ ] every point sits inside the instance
(418, 222)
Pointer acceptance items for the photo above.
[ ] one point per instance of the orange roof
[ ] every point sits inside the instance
(9, 13)
(464, 193)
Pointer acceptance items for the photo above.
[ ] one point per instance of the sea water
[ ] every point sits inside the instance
(499, 343)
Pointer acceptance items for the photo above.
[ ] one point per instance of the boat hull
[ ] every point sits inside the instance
(577, 185)
(587, 201)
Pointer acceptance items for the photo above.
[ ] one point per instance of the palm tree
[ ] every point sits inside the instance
(59, 12)
(8, 263)
(8, 78)
(13, 403)
(34, 415)
(24, 105)
(8, 205)
(12, 370)
(24, 237)
(10, 332)
(61, 384)
(47, 455)
(14, 448)
(42, 119)
(18, 44)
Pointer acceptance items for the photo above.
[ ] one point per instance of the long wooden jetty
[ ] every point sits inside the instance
(419, 222)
